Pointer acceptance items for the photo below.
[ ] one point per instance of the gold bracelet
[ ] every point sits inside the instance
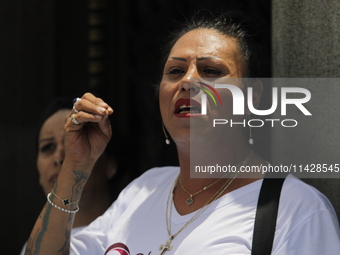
(65, 201)
(58, 207)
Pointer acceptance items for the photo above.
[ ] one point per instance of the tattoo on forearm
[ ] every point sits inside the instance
(35, 242)
(45, 216)
(30, 241)
(80, 179)
(66, 246)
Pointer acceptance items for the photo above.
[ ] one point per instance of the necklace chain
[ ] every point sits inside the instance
(202, 210)
(190, 200)
(167, 246)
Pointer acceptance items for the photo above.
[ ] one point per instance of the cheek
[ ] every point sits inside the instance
(226, 109)
(42, 165)
(164, 99)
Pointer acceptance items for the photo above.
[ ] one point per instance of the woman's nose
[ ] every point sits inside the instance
(58, 161)
(188, 82)
(59, 157)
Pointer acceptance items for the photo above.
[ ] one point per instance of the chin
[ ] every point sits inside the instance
(48, 189)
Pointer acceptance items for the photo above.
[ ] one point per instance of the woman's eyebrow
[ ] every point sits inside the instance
(46, 140)
(203, 58)
(198, 59)
(214, 57)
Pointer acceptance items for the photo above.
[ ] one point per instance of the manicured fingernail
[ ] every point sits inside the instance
(100, 109)
(103, 104)
(98, 116)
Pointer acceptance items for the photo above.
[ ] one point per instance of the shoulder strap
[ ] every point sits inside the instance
(266, 214)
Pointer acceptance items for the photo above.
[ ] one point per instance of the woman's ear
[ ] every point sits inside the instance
(257, 87)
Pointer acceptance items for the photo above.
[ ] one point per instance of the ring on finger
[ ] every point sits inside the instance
(76, 100)
(74, 109)
(73, 119)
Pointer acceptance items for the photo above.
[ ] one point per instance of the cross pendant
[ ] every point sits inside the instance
(165, 247)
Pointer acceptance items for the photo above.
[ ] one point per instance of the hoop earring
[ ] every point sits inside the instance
(251, 140)
(167, 140)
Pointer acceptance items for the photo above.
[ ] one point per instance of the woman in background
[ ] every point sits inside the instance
(105, 182)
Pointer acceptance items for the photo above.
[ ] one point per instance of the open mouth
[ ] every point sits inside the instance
(186, 107)
(53, 178)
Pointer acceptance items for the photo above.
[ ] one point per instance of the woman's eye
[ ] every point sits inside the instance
(175, 71)
(47, 147)
(210, 71)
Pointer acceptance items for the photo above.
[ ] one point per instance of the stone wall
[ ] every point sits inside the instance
(305, 44)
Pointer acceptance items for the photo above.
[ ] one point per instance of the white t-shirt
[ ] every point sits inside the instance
(136, 223)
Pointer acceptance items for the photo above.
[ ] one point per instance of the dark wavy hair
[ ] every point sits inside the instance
(248, 30)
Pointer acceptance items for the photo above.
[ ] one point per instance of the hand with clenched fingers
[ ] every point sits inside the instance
(87, 130)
